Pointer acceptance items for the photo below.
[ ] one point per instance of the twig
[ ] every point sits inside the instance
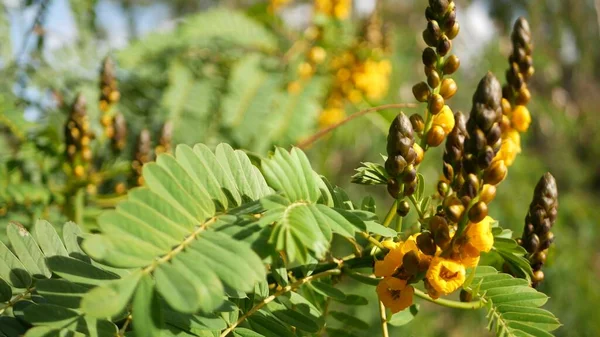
(305, 143)
(125, 325)
(372, 240)
(271, 298)
(16, 299)
(384, 327)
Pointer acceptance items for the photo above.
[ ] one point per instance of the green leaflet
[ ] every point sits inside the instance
(27, 250)
(163, 228)
(512, 305)
(147, 309)
(405, 316)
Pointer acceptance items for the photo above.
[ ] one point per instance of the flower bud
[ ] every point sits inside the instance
(436, 103)
(451, 65)
(465, 296)
(521, 118)
(455, 212)
(426, 244)
(488, 193)
(444, 45)
(435, 136)
(495, 173)
(419, 152)
(449, 88)
(410, 262)
(478, 212)
(393, 188)
(433, 79)
(403, 208)
(429, 57)
(443, 188)
(421, 91)
(453, 31)
(417, 122)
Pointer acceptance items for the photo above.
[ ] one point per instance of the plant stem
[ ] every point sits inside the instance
(125, 325)
(373, 240)
(271, 298)
(417, 206)
(304, 144)
(449, 303)
(390, 214)
(75, 205)
(16, 299)
(384, 327)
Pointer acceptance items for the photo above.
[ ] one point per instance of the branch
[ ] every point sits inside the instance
(16, 299)
(305, 143)
(384, 327)
(284, 290)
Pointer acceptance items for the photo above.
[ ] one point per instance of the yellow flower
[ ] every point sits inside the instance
(396, 300)
(444, 119)
(510, 148)
(331, 116)
(393, 260)
(467, 259)
(336, 8)
(305, 70)
(521, 118)
(479, 235)
(445, 276)
(372, 78)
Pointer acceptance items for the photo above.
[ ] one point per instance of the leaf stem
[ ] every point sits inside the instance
(16, 299)
(384, 327)
(417, 206)
(390, 214)
(373, 240)
(284, 290)
(449, 303)
(125, 325)
(305, 143)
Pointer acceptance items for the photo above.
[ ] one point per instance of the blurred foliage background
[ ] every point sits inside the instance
(246, 72)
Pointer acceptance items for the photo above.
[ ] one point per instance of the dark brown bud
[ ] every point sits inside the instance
(417, 122)
(451, 65)
(538, 277)
(478, 212)
(439, 7)
(470, 187)
(429, 39)
(433, 79)
(403, 208)
(465, 296)
(455, 212)
(393, 188)
(410, 188)
(421, 91)
(429, 57)
(495, 173)
(524, 96)
(426, 243)
(443, 45)
(436, 103)
(435, 136)
(448, 88)
(434, 29)
(410, 262)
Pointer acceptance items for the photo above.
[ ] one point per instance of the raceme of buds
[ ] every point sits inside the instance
(483, 126)
(141, 155)
(164, 142)
(109, 93)
(78, 137)
(542, 213)
(401, 156)
(521, 63)
(454, 147)
(119, 139)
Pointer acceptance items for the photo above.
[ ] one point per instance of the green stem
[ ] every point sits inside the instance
(384, 327)
(451, 304)
(390, 214)
(271, 298)
(417, 206)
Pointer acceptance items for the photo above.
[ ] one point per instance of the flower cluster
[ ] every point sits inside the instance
(442, 27)
(78, 137)
(537, 236)
(516, 117)
(164, 141)
(113, 122)
(422, 258)
(142, 155)
(359, 77)
(403, 155)
(339, 9)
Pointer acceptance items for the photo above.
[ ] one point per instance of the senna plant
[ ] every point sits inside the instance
(217, 243)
